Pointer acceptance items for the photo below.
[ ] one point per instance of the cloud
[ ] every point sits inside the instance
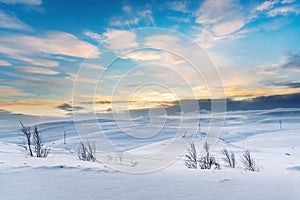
(171, 58)
(225, 20)
(142, 56)
(68, 107)
(170, 46)
(28, 2)
(274, 8)
(228, 27)
(292, 62)
(287, 84)
(37, 70)
(34, 106)
(93, 66)
(265, 6)
(4, 63)
(120, 40)
(2, 111)
(163, 41)
(215, 11)
(179, 6)
(236, 92)
(275, 24)
(54, 86)
(127, 9)
(28, 48)
(207, 39)
(179, 19)
(287, 1)
(133, 17)
(284, 11)
(95, 36)
(270, 69)
(9, 91)
(10, 21)
(222, 20)
(114, 39)
(35, 61)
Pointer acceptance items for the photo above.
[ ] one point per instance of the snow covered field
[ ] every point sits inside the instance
(63, 176)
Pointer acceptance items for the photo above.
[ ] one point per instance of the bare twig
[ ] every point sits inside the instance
(249, 162)
(191, 156)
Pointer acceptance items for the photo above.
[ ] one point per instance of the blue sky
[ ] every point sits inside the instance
(43, 43)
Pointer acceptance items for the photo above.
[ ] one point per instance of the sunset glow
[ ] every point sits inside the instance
(43, 46)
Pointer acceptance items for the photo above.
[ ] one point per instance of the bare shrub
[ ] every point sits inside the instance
(37, 143)
(208, 161)
(41, 152)
(87, 152)
(26, 133)
(133, 163)
(229, 158)
(233, 161)
(191, 157)
(249, 162)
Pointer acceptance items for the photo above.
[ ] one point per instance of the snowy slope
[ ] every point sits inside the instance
(63, 176)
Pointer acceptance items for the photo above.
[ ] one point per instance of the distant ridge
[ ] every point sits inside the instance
(266, 102)
(258, 103)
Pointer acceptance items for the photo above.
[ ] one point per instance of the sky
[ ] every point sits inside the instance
(48, 45)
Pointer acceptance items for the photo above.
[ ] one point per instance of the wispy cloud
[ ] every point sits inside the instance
(35, 61)
(33, 107)
(221, 20)
(216, 11)
(95, 36)
(265, 6)
(274, 8)
(93, 66)
(226, 14)
(142, 56)
(179, 6)
(4, 63)
(37, 70)
(36, 49)
(43, 86)
(133, 17)
(10, 91)
(11, 21)
(28, 2)
(287, 1)
(224, 20)
(287, 84)
(114, 39)
(284, 10)
(290, 63)
(179, 19)
(228, 27)
(207, 39)
(275, 24)
(68, 107)
(236, 92)
(163, 41)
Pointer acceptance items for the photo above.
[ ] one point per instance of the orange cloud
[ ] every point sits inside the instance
(234, 92)
(34, 107)
(38, 70)
(9, 91)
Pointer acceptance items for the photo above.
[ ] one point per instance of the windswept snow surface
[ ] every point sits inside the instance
(63, 176)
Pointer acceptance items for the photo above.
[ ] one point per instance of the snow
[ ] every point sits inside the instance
(63, 176)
